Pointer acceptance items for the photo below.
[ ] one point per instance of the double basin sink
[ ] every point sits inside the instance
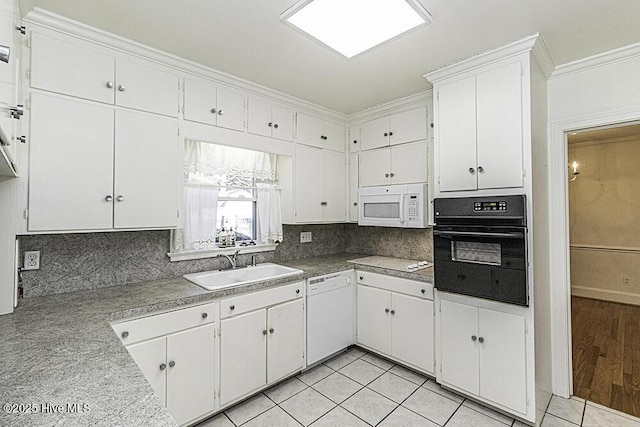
(223, 279)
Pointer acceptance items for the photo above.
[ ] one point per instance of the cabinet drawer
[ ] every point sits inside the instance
(162, 324)
(396, 284)
(253, 301)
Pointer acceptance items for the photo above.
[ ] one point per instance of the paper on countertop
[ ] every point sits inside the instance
(399, 264)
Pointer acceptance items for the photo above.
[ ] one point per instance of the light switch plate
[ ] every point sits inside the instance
(32, 260)
(305, 236)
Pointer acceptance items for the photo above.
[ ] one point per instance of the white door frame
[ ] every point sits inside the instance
(559, 266)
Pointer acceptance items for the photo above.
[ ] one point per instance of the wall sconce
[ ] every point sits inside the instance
(573, 171)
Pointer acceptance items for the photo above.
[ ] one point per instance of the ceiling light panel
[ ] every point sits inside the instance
(353, 26)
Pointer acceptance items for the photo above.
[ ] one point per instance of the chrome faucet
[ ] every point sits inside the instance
(233, 259)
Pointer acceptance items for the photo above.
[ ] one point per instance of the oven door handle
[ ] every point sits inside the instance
(513, 235)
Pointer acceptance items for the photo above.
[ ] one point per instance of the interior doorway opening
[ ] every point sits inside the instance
(604, 253)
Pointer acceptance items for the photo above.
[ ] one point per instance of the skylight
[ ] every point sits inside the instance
(354, 26)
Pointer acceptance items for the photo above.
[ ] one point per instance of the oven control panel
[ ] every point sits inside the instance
(490, 206)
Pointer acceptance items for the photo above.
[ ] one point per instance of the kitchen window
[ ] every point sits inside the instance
(227, 188)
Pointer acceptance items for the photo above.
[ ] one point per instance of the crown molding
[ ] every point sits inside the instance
(421, 98)
(599, 60)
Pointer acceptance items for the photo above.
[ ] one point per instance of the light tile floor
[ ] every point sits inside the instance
(357, 388)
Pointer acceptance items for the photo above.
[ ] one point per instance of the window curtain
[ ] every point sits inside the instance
(269, 212)
(207, 167)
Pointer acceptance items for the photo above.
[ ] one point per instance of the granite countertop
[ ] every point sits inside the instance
(60, 349)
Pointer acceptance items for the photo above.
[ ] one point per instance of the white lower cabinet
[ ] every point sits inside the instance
(179, 364)
(396, 318)
(484, 353)
(263, 343)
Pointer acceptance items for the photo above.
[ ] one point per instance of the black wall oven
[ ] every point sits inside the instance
(480, 247)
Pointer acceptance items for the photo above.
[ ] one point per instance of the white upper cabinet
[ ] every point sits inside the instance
(352, 204)
(395, 129)
(270, 120)
(207, 103)
(480, 130)
(354, 138)
(399, 164)
(83, 70)
(320, 133)
(321, 190)
(76, 183)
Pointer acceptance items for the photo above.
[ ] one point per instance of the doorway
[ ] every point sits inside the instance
(604, 254)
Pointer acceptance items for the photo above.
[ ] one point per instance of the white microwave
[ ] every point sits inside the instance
(393, 206)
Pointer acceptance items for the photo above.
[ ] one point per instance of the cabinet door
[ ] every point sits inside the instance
(354, 138)
(243, 347)
(146, 87)
(334, 186)
(71, 159)
(457, 135)
(309, 191)
(374, 133)
(147, 178)
(352, 204)
(309, 130)
(334, 137)
(282, 123)
(285, 345)
(230, 110)
(151, 358)
(408, 126)
(499, 127)
(190, 381)
(409, 163)
(72, 69)
(374, 319)
(503, 377)
(412, 331)
(374, 167)
(459, 351)
(259, 118)
(200, 101)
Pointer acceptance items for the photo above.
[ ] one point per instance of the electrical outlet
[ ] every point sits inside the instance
(32, 260)
(305, 237)
(625, 281)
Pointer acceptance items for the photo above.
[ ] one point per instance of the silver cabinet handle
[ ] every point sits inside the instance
(220, 112)
(108, 198)
(386, 134)
(355, 203)
(121, 88)
(264, 332)
(323, 203)
(5, 51)
(172, 364)
(205, 315)
(271, 330)
(390, 133)
(392, 174)
(163, 366)
(120, 198)
(472, 171)
(386, 175)
(480, 169)
(386, 310)
(481, 339)
(473, 338)
(275, 126)
(109, 85)
(125, 334)
(214, 111)
(232, 307)
(270, 124)
(393, 312)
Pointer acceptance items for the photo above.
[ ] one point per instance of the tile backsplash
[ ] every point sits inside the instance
(72, 262)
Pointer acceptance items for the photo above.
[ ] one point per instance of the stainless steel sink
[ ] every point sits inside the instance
(216, 280)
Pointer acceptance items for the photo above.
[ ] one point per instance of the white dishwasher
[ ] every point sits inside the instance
(330, 314)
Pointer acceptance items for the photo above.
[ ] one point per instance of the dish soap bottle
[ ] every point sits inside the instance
(223, 238)
(231, 238)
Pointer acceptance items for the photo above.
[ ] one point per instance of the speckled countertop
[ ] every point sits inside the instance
(60, 349)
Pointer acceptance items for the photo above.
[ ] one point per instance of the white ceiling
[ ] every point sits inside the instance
(246, 38)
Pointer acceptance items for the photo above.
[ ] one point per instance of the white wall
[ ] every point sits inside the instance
(595, 92)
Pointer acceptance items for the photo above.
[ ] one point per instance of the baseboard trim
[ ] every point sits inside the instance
(606, 295)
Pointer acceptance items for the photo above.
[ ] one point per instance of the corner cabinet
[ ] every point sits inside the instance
(321, 185)
(95, 168)
(395, 318)
(262, 340)
(176, 353)
(484, 354)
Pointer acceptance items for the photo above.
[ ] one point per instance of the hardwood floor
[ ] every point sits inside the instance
(606, 353)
